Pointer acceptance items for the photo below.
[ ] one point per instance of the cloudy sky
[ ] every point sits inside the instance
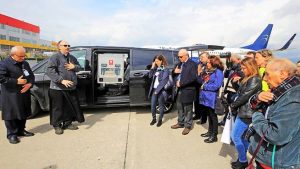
(160, 22)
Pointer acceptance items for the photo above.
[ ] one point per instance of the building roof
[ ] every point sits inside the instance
(6, 20)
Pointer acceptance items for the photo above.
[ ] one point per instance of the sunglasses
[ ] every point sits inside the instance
(66, 45)
(180, 57)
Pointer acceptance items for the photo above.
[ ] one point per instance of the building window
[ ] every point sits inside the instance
(3, 37)
(25, 32)
(26, 40)
(11, 38)
(2, 26)
(13, 29)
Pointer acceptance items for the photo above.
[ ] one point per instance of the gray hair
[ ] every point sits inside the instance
(283, 65)
(15, 49)
(237, 56)
(204, 53)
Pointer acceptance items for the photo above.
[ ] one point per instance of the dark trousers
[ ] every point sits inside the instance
(61, 112)
(14, 126)
(161, 102)
(185, 113)
(212, 121)
(200, 112)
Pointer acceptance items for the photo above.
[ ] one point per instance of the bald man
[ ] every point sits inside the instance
(186, 84)
(64, 103)
(277, 115)
(16, 79)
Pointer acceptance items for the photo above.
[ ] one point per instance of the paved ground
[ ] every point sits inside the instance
(114, 138)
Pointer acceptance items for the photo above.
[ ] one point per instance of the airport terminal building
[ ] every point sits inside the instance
(16, 32)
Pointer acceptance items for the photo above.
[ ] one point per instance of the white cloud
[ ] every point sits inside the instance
(165, 22)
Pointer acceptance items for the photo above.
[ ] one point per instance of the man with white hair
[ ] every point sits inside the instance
(186, 84)
(16, 79)
(277, 119)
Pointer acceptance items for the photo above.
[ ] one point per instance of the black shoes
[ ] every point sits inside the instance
(58, 130)
(206, 134)
(159, 123)
(222, 123)
(71, 127)
(211, 139)
(25, 133)
(13, 139)
(196, 117)
(239, 165)
(152, 122)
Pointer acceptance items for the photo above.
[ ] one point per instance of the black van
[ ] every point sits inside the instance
(97, 90)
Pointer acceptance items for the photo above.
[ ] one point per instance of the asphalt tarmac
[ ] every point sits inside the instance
(115, 138)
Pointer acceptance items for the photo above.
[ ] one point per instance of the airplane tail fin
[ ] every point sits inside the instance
(262, 41)
(288, 43)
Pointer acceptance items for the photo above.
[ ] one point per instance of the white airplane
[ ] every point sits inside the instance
(260, 43)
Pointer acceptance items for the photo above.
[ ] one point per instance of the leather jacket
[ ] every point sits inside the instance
(245, 91)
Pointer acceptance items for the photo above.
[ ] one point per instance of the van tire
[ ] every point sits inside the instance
(35, 107)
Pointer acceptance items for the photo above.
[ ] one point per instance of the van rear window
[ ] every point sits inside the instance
(142, 58)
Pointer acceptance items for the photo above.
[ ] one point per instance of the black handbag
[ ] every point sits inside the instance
(169, 85)
(220, 107)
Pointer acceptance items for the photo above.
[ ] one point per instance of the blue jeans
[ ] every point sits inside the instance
(241, 144)
(161, 102)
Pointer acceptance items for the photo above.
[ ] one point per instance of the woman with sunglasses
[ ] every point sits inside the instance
(160, 76)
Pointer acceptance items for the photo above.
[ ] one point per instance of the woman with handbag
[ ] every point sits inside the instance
(249, 85)
(160, 77)
(211, 80)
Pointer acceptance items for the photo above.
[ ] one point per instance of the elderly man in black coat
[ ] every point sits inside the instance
(16, 79)
(186, 84)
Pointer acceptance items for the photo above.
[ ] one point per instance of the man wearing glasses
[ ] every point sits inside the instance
(186, 84)
(16, 79)
(64, 104)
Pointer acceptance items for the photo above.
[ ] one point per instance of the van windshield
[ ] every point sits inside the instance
(80, 55)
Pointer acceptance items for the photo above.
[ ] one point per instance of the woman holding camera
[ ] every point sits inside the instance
(249, 85)
(160, 76)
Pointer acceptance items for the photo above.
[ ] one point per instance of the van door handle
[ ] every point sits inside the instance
(82, 76)
(138, 74)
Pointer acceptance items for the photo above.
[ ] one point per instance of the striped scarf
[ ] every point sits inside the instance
(285, 86)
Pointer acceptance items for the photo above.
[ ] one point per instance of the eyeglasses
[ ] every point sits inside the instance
(180, 56)
(20, 56)
(66, 45)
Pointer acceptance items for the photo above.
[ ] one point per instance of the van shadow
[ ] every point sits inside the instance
(92, 116)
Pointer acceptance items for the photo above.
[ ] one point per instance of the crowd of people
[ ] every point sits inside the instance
(262, 92)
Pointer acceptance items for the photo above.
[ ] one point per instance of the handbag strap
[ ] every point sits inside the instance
(258, 146)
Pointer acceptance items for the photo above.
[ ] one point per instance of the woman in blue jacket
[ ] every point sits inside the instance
(211, 80)
(160, 76)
